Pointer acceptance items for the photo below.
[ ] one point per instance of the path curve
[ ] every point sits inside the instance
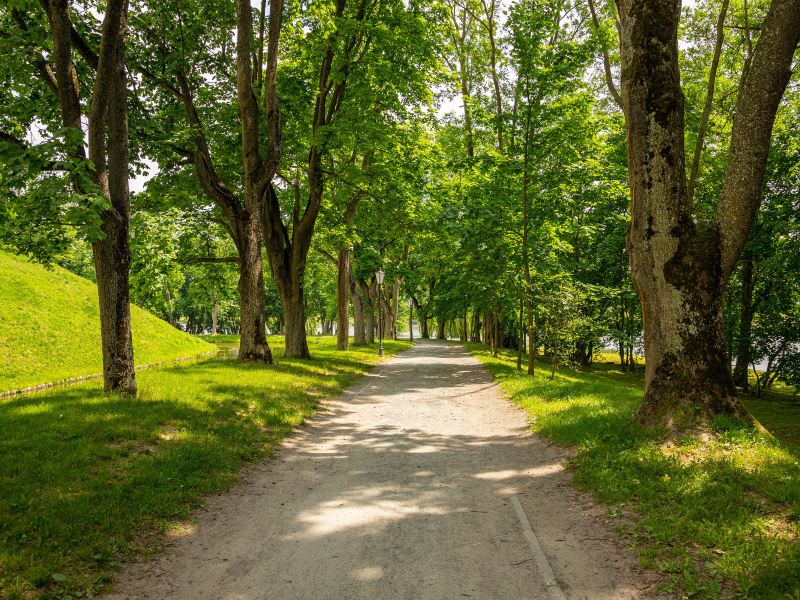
(401, 488)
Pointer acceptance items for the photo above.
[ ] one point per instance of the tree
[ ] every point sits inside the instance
(95, 157)
(681, 267)
(171, 62)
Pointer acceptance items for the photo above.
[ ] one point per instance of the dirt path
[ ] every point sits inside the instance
(403, 488)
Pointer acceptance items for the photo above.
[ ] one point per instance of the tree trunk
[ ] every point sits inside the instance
(521, 343)
(112, 256)
(343, 300)
(359, 324)
(294, 319)
(440, 325)
(498, 335)
(681, 270)
(622, 333)
(464, 329)
(411, 322)
(475, 333)
(395, 307)
(743, 345)
(424, 333)
(252, 328)
(112, 263)
(214, 317)
(109, 151)
(370, 296)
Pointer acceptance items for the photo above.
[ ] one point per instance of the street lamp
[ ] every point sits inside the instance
(379, 275)
(411, 319)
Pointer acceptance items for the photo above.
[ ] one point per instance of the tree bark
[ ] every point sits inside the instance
(423, 327)
(343, 300)
(743, 344)
(248, 226)
(622, 361)
(359, 308)
(440, 325)
(371, 296)
(498, 335)
(252, 327)
(680, 270)
(214, 317)
(521, 343)
(475, 332)
(109, 151)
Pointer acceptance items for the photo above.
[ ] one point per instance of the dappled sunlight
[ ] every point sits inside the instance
(539, 471)
(367, 509)
(180, 530)
(32, 409)
(367, 574)
(73, 456)
(736, 495)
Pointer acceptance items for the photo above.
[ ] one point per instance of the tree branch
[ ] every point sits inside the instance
(612, 88)
(712, 79)
(199, 260)
(762, 90)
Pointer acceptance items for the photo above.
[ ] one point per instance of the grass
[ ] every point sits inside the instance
(721, 518)
(50, 327)
(86, 477)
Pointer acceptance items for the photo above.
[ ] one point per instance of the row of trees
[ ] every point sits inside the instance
(552, 208)
(535, 191)
(171, 87)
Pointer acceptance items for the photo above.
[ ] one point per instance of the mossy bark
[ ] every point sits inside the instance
(680, 268)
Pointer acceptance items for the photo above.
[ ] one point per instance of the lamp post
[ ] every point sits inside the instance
(411, 319)
(379, 275)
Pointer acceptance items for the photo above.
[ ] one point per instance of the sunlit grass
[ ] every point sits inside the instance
(84, 475)
(720, 517)
(50, 327)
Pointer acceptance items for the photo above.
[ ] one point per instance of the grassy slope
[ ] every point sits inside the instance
(720, 517)
(50, 327)
(84, 475)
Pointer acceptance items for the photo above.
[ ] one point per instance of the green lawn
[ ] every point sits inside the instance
(50, 327)
(85, 476)
(721, 517)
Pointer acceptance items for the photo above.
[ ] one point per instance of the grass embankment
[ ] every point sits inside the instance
(721, 517)
(50, 327)
(85, 475)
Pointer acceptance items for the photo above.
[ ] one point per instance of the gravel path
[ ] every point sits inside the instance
(415, 484)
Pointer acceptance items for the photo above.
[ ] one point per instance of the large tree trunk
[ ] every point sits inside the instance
(423, 327)
(248, 219)
(395, 305)
(497, 335)
(112, 255)
(359, 325)
(343, 300)
(680, 270)
(475, 333)
(214, 317)
(622, 333)
(252, 327)
(521, 343)
(440, 325)
(674, 267)
(743, 344)
(287, 262)
(108, 150)
(294, 318)
(368, 306)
